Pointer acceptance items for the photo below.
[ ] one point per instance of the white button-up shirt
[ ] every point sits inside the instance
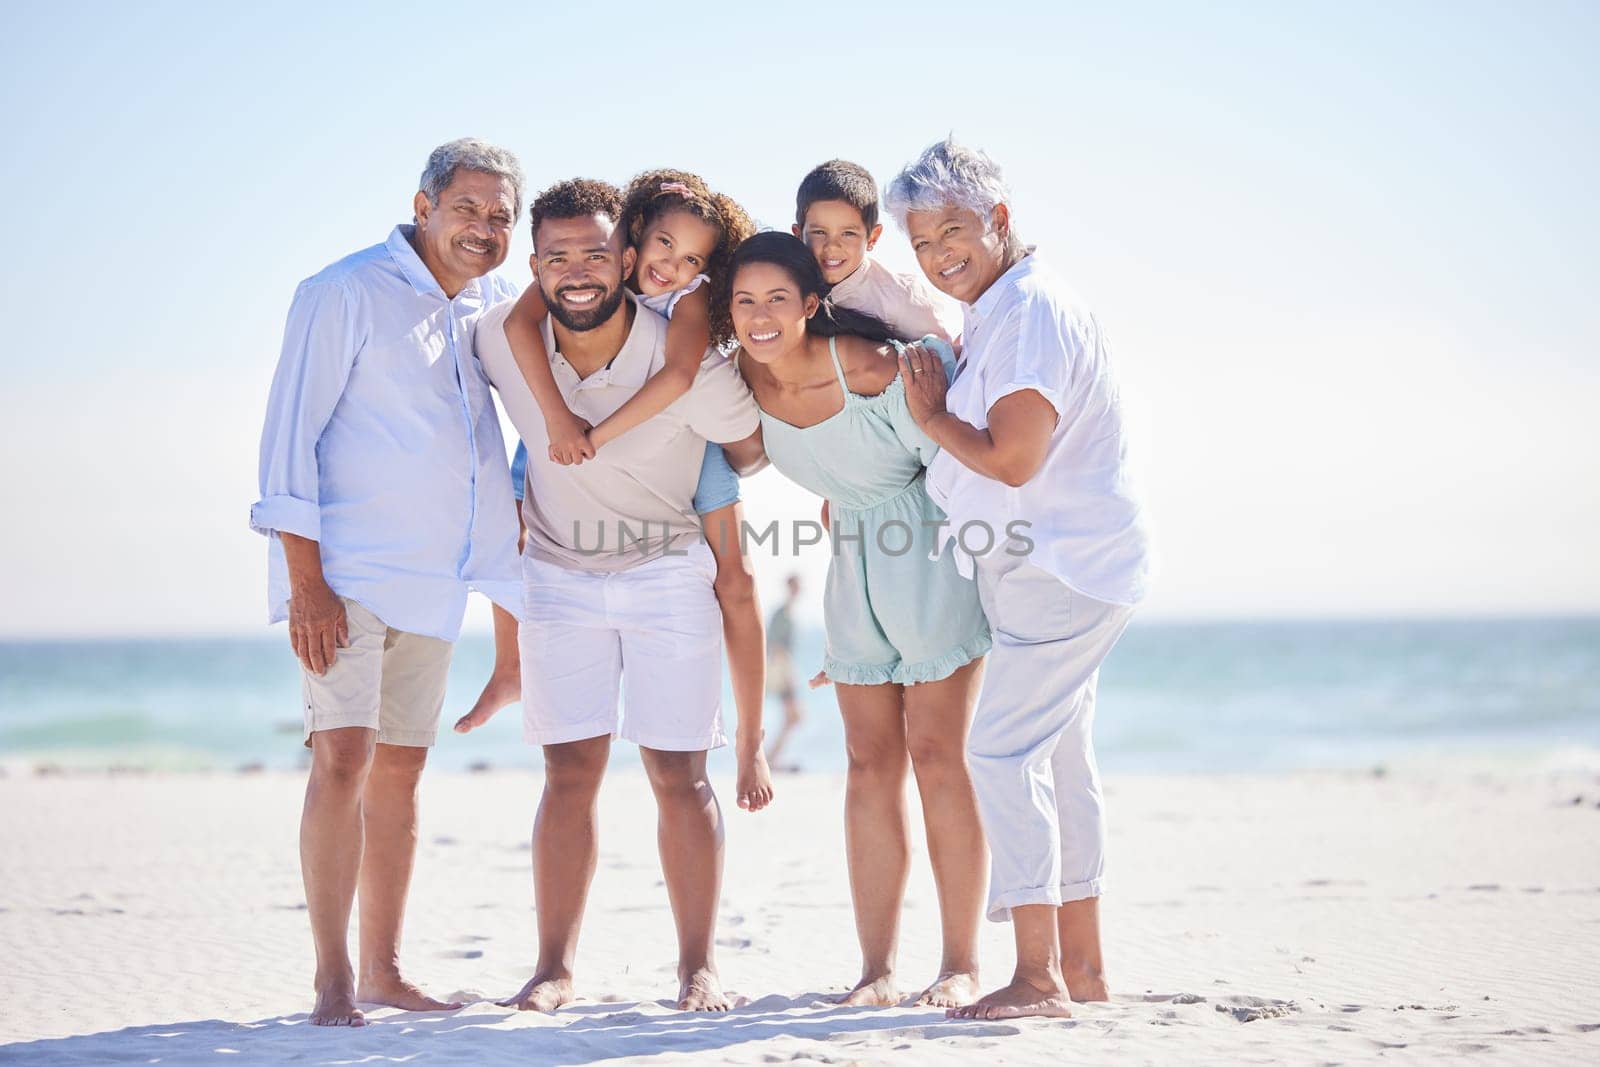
(382, 444)
(1030, 331)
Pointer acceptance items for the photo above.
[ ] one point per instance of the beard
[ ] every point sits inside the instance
(581, 321)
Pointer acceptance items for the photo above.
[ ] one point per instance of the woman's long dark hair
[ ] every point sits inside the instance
(790, 254)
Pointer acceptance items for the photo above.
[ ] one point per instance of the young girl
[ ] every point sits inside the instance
(905, 634)
(683, 235)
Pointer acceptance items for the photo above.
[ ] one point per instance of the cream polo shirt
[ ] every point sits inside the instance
(908, 304)
(634, 502)
(1030, 331)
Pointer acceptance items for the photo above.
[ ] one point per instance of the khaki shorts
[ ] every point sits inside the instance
(387, 680)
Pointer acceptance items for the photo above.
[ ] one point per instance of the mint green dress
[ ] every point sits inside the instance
(892, 614)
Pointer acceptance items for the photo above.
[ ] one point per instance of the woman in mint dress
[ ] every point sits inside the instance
(905, 633)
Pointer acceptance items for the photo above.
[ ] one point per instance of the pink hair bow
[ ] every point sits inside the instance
(676, 187)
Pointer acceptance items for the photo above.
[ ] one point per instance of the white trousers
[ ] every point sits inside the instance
(1031, 749)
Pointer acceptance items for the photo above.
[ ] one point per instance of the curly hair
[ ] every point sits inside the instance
(655, 192)
(574, 199)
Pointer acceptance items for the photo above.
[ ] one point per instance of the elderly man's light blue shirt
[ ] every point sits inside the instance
(382, 444)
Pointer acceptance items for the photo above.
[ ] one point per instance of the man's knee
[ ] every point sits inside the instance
(674, 772)
(342, 759)
(398, 764)
(576, 765)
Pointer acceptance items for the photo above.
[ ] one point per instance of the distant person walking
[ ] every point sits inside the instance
(1030, 432)
(386, 497)
(781, 678)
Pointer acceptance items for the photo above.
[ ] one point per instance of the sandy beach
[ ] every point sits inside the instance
(1306, 918)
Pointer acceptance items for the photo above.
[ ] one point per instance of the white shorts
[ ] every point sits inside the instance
(652, 632)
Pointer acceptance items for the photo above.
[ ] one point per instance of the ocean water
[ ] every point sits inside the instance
(1214, 697)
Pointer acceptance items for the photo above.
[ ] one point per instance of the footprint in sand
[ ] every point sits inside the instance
(1254, 1009)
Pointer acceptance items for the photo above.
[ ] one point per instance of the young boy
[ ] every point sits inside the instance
(836, 215)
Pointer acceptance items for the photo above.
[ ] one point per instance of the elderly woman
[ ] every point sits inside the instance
(1032, 473)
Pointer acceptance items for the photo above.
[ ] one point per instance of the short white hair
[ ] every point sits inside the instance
(471, 154)
(947, 173)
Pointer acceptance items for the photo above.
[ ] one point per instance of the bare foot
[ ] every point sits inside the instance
(1022, 997)
(1085, 988)
(702, 991)
(879, 992)
(392, 991)
(504, 687)
(542, 993)
(336, 1005)
(950, 991)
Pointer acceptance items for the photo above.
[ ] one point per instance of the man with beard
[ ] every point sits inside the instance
(618, 588)
(385, 494)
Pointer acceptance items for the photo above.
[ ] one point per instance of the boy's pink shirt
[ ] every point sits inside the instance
(912, 307)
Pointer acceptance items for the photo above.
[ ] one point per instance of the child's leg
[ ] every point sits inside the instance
(505, 681)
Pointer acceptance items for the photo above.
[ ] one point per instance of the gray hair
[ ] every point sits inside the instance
(949, 173)
(472, 154)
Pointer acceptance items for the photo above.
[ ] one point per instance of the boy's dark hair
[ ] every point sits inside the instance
(574, 199)
(655, 192)
(838, 179)
(791, 254)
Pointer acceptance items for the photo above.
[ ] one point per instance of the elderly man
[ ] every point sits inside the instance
(618, 587)
(1030, 432)
(385, 493)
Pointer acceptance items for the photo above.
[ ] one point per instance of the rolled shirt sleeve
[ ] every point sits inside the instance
(320, 342)
(1035, 349)
(719, 406)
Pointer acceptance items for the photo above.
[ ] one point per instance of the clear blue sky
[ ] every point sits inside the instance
(1347, 255)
